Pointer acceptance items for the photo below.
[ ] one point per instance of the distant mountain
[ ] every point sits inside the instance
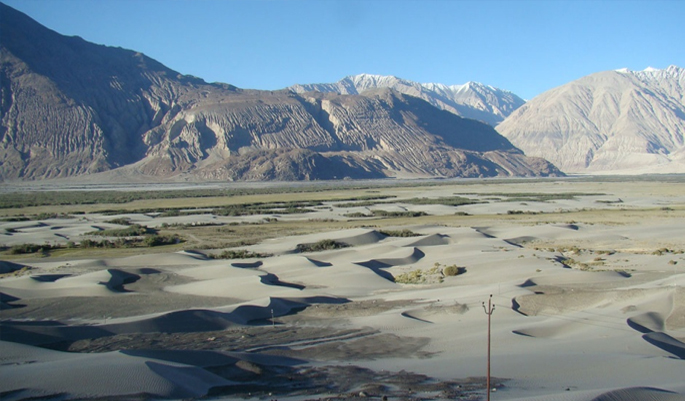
(470, 100)
(69, 107)
(609, 122)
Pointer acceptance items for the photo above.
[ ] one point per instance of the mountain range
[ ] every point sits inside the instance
(610, 122)
(69, 107)
(470, 100)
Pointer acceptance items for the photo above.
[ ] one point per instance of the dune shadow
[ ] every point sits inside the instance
(666, 343)
(247, 265)
(377, 267)
(6, 302)
(118, 279)
(147, 271)
(481, 231)
(319, 263)
(49, 278)
(272, 279)
(9, 267)
(516, 307)
(47, 332)
(646, 323)
(410, 316)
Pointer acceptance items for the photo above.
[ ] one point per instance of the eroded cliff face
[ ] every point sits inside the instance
(379, 134)
(613, 121)
(70, 107)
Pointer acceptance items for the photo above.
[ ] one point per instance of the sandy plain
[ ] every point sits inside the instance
(586, 277)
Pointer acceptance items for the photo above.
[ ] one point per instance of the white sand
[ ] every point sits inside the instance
(615, 332)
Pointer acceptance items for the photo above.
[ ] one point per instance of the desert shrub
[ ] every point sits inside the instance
(170, 213)
(399, 233)
(238, 254)
(131, 231)
(385, 213)
(47, 216)
(30, 248)
(323, 245)
(158, 240)
(661, 251)
(619, 200)
(447, 201)
(672, 262)
(124, 221)
(15, 218)
(357, 215)
(453, 270)
(117, 243)
(411, 277)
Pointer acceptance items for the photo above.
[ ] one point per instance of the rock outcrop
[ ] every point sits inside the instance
(609, 122)
(70, 107)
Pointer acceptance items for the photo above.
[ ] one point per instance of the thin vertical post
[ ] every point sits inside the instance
(488, 311)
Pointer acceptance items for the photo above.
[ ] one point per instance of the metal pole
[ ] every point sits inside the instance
(488, 311)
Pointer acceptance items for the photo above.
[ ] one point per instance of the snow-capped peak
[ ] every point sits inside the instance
(471, 100)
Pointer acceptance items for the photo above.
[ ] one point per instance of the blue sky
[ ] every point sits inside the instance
(526, 47)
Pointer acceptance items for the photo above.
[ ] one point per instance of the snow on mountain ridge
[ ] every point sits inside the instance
(471, 100)
(655, 73)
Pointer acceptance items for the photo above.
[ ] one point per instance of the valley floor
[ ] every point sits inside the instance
(378, 296)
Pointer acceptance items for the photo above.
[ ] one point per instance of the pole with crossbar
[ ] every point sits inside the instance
(488, 311)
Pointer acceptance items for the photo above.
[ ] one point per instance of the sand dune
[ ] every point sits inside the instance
(102, 375)
(413, 255)
(587, 308)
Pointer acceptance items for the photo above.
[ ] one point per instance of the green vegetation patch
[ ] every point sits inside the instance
(246, 209)
(30, 248)
(385, 213)
(323, 245)
(399, 233)
(134, 230)
(446, 201)
(238, 254)
(536, 196)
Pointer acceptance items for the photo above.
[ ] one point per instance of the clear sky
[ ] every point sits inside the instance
(526, 47)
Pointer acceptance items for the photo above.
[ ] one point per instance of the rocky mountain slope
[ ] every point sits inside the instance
(69, 107)
(609, 122)
(470, 100)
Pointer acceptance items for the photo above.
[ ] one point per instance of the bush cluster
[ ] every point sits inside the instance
(399, 233)
(323, 245)
(134, 230)
(30, 248)
(238, 254)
